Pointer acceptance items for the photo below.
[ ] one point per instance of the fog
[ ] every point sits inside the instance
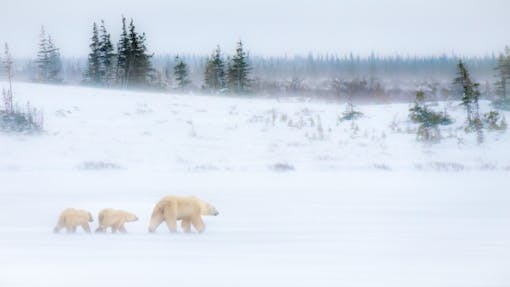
(343, 143)
(468, 27)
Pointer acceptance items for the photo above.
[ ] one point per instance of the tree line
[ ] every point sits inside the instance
(220, 74)
(130, 65)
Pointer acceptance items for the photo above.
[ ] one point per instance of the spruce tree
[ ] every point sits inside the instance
(139, 60)
(7, 96)
(134, 49)
(93, 73)
(468, 89)
(214, 77)
(168, 72)
(42, 57)
(54, 62)
(106, 57)
(181, 73)
(123, 55)
(48, 59)
(503, 68)
(238, 70)
(470, 96)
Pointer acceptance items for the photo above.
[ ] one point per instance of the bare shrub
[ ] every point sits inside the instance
(282, 167)
(28, 120)
(98, 165)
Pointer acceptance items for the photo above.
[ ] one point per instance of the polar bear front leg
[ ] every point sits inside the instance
(122, 229)
(156, 219)
(171, 223)
(85, 227)
(58, 227)
(197, 222)
(171, 220)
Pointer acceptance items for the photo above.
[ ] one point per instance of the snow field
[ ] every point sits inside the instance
(358, 204)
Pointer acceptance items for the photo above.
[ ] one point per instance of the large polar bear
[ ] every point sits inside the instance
(71, 218)
(114, 219)
(189, 209)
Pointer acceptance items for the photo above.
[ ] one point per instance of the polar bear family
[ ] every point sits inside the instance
(169, 209)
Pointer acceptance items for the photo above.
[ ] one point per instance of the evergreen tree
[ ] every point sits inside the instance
(214, 77)
(7, 96)
(181, 73)
(470, 96)
(168, 72)
(54, 62)
(139, 67)
(123, 55)
(503, 68)
(93, 73)
(42, 57)
(48, 59)
(106, 57)
(238, 70)
(134, 49)
(469, 91)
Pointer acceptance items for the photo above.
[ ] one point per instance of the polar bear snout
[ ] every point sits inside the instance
(132, 217)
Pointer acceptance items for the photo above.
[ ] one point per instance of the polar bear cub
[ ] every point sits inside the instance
(114, 219)
(71, 218)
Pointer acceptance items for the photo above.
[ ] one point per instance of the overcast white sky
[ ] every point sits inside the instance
(268, 27)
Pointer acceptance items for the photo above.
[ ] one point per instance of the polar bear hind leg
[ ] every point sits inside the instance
(186, 225)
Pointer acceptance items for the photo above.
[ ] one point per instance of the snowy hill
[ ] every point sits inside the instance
(179, 133)
(304, 199)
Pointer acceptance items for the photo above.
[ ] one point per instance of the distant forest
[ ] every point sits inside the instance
(312, 67)
(130, 64)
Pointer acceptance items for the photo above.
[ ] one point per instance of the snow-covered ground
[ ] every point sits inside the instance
(301, 203)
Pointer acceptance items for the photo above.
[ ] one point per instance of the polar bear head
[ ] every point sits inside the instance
(131, 217)
(207, 208)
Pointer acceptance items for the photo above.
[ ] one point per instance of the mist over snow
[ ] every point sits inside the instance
(183, 132)
(324, 143)
(304, 199)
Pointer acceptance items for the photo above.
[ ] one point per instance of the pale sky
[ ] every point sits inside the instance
(268, 27)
